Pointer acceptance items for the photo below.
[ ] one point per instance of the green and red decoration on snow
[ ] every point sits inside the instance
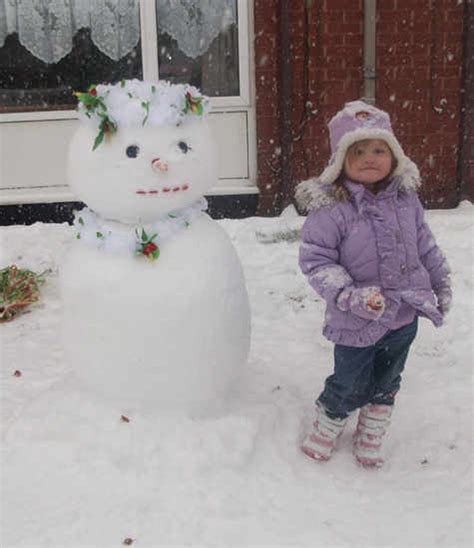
(193, 104)
(18, 289)
(147, 247)
(95, 105)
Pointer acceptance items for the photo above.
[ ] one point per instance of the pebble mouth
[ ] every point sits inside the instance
(164, 190)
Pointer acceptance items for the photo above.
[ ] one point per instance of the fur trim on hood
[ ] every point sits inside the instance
(315, 193)
(359, 121)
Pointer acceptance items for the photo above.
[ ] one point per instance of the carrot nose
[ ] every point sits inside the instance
(159, 165)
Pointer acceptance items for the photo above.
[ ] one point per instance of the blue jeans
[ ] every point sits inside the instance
(367, 375)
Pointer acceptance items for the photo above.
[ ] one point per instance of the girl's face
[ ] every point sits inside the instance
(368, 161)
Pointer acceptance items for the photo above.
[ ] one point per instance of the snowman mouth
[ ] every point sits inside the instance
(164, 190)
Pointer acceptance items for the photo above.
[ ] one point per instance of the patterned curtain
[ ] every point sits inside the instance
(46, 27)
(195, 24)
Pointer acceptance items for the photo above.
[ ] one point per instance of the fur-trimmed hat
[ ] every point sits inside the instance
(355, 122)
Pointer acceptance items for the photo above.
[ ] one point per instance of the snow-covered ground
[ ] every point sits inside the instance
(75, 474)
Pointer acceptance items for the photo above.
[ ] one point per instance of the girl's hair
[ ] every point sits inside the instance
(339, 191)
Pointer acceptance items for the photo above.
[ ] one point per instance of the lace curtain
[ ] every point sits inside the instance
(195, 24)
(47, 27)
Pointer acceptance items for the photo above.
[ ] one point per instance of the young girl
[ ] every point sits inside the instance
(367, 250)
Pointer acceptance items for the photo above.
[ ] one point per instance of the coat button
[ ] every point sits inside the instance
(403, 268)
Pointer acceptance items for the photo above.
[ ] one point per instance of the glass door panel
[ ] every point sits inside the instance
(198, 43)
(50, 49)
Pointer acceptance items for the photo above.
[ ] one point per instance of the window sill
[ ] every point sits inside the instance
(13, 196)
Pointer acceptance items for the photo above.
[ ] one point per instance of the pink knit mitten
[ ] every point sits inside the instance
(365, 302)
(444, 296)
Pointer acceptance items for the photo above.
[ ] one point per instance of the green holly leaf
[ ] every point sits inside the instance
(193, 104)
(146, 106)
(99, 234)
(112, 127)
(98, 140)
(81, 221)
(90, 102)
(106, 126)
(101, 104)
(106, 123)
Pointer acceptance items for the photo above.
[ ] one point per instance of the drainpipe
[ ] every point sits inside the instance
(466, 154)
(284, 104)
(370, 12)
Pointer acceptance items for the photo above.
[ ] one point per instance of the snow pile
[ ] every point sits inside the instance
(81, 472)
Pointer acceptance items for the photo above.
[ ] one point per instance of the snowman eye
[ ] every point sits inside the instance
(184, 147)
(132, 151)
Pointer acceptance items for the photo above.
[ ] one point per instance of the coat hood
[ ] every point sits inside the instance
(357, 121)
(315, 193)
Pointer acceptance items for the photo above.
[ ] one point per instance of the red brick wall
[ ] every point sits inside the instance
(419, 62)
(266, 88)
(419, 59)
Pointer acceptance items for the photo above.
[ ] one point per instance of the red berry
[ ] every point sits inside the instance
(93, 91)
(149, 248)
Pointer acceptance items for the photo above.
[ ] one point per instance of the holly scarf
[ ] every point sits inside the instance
(139, 240)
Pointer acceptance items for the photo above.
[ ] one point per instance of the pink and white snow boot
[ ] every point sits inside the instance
(320, 442)
(373, 422)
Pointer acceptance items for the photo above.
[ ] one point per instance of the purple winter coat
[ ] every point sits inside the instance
(372, 240)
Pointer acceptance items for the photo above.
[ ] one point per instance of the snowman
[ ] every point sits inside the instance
(156, 313)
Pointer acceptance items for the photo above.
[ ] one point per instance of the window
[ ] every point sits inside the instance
(50, 49)
(198, 44)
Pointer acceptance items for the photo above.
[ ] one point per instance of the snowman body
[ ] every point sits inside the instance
(161, 331)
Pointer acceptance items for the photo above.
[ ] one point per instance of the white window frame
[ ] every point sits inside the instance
(150, 66)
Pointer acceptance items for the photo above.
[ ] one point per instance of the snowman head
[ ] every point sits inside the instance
(142, 150)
